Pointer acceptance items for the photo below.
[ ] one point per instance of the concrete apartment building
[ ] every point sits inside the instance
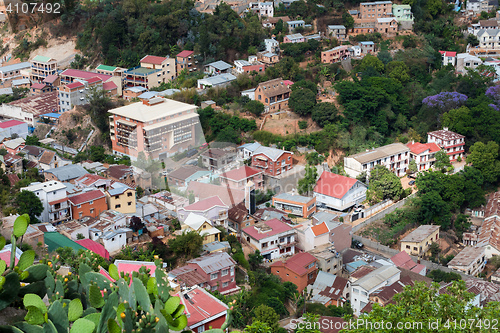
(29, 109)
(41, 67)
(453, 143)
(239, 178)
(110, 70)
(217, 159)
(301, 269)
(151, 72)
(185, 61)
(335, 54)
(370, 11)
(489, 234)
(273, 238)
(121, 198)
(88, 203)
(489, 39)
(273, 94)
(12, 72)
(418, 242)
(363, 288)
(395, 157)
(52, 194)
(471, 260)
(404, 16)
(386, 25)
(338, 32)
(159, 127)
(295, 204)
(76, 93)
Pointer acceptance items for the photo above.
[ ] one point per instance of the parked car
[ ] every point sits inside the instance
(191, 152)
(411, 182)
(204, 145)
(357, 244)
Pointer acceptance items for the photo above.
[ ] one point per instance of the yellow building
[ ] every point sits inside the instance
(121, 198)
(202, 226)
(418, 242)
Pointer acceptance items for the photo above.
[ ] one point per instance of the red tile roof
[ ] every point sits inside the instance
(93, 79)
(11, 123)
(241, 173)
(95, 247)
(319, 229)
(79, 74)
(75, 85)
(448, 53)
(109, 86)
(185, 53)
(38, 85)
(5, 256)
(149, 59)
(50, 78)
(418, 148)
(297, 263)
(84, 197)
(129, 266)
(403, 260)
(276, 226)
(205, 204)
(200, 306)
(334, 185)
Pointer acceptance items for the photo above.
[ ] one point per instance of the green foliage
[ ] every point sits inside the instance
(189, 243)
(302, 101)
(255, 260)
(306, 184)
(412, 167)
(255, 107)
(330, 310)
(325, 113)
(438, 275)
(222, 126)
(442, 160)
(302, 124)
(266, 315)
(28, 203)
(384, 184)
(347, 20)
(258, 327)
(370, 61)
(484, 157)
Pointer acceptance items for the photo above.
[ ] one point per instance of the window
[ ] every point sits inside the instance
(214, 288)
(264, 245)
(129, 194)
(117, 196)
(80, 214)
(91, 202)
(129, 203)
(78, 206)
(225, 284)
(408, 247)
(201, 328)
(118, 206)
(213, 276)
(225, 272)
(91, 210)
(415, 248)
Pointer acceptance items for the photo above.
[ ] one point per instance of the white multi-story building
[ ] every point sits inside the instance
(423, 154)
(471, 260)
(76, 93)
(262, 8)
(449, 58)
(273, 238)
(339, 192)
(362, 289)
(467, 61)
(394, 157)
(272, 45)
(453, 143)
(54, 198)
(489, 39)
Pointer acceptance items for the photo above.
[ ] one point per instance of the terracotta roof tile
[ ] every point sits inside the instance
(334, 185)
(320, 229)
(84, 197)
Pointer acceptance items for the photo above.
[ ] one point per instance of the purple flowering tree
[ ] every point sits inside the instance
(445, 101)
(493, 93)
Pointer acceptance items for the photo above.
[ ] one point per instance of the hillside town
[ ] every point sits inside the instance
(281, 165)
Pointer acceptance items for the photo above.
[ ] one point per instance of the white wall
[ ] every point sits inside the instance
(120, 240)
(312, 241)
(16, 112)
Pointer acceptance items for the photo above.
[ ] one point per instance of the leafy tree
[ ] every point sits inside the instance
(412, 167)
(28, 203)
(384, 56)
(3, 152)
(255, 259)
(472, 40)
(438, 275)
(302, 124)
(80, 236)
(257, 327)
(32, 140)
(306, 184)
(461, 224)
(383, 184)
(373, 62)
(267, 315)
(484, 158)
(309, 325)
(255, 107)
(442, 160)
(325, 113)
(348, 20)
(302, 101)
(139, 191)
(398, 71)
(434, 210)
(189, 243)
(435, 250)
(136, 223)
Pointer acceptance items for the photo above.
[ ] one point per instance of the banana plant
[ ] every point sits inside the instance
(22, 278)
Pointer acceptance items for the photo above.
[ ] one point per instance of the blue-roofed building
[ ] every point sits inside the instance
(51, 117)
(220, 81)
(67, 173)
(352, 266)
(218, 67)
(246, 151)
(148, 95)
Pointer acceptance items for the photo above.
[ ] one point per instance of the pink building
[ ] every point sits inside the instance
(238, 178)
(453, 143)
(203, 310)
(217, 270)
(336, 54)
(294, 38)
